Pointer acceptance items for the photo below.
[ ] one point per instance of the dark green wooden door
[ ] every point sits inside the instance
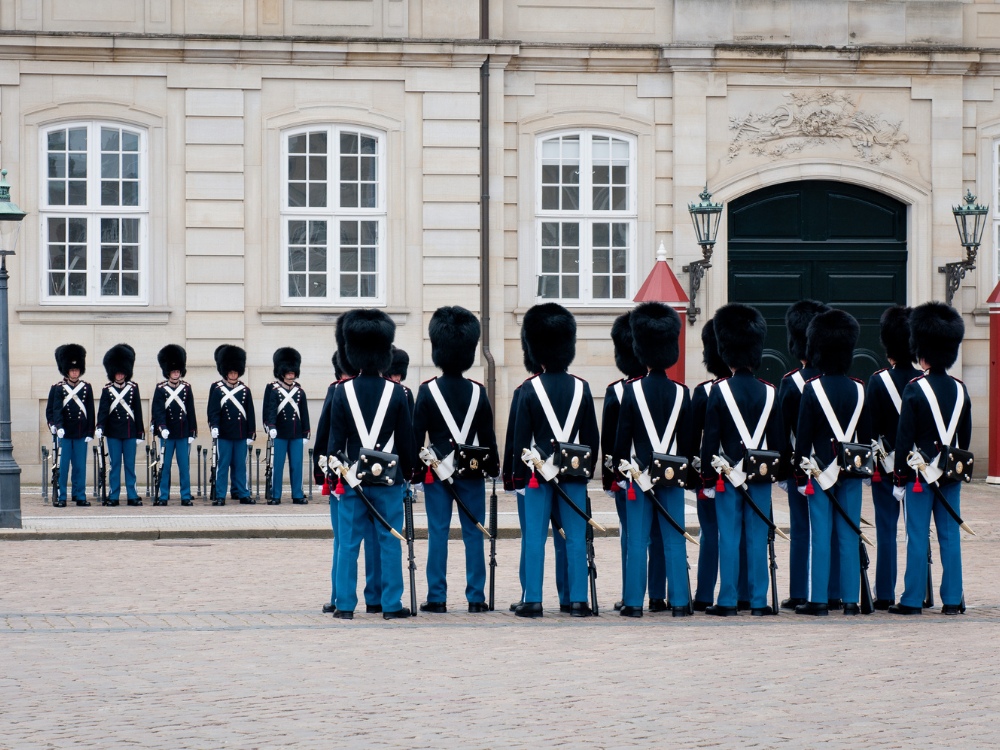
(831, 241)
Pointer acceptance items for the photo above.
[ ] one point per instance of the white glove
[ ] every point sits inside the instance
(98, 433)
(272, 433)
(190, 440)
(709, 493)
(139, 441)
(165, 433)
(60, 433)
(321, 461)
(787, 485)
(249, 441)
(215, 432)
(87, 439)
(899, 492)
(52, 429)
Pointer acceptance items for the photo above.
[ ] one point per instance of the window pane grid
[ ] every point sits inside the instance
(358, 259)
(307, 258)
(119, 167)
(67, 167)
(307, 170)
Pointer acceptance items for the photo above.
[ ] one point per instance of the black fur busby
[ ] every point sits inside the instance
(529, 362)
(119, 358)
(655, 331)
(550, 333)
(710, 352)
(894, 330)
(70, 356)
(346, 368)
(830, 341)
(936, 332)
(286, 359)
(338, 368)
(230, 358)
(400, 364)
(797, 319)
(172, 357)
(625, 358)
(454, 334)
(740, 331)
(368, 336)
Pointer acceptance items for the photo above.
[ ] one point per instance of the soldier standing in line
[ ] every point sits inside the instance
(175, 419)
(321, 474)
(397, 372)
(70, 416)
(119, 421)
(233, 422)
(286, 417)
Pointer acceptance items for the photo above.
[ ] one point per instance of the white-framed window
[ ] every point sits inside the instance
(333, 216)
(94, 214)
(586, 217)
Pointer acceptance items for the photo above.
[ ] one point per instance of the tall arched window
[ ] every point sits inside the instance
(585, 217)
(333, 216)
(94, 214)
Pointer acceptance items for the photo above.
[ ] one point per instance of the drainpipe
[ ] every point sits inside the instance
(484, 206)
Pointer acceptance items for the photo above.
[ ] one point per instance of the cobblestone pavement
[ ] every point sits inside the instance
(220, 643)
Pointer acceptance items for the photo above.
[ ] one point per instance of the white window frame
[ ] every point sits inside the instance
(587, 217)
(333, 215)
(93, 212)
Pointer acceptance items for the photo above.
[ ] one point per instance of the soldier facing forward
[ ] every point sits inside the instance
(119, 421)
(286, 417)
(70, 416)
(175, 419)
(233, 422)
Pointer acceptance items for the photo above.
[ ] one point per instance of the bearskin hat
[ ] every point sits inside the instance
(338, 368)
(936, 332)
(550, 332)
(894, 330)
(797, 319)
(529, 362)
(710, 351)
(454, 333)
(830, 341)
(286, 359)
(625, 357)
(368, 336)
(230, 358)
(655, 331)
(400, 364)
(70, 356)
(119, 358)
(172, 357)
(346, 368)
(740, 330)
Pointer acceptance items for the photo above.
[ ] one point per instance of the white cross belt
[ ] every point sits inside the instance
(288, 398)
(230, 396)
(119, 397)
(71, 395)
(174, 396)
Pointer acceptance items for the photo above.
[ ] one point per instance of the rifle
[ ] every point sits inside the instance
(211, 477)
(266, 491)
(929, 598)
(533, 460)
(198, 459)
(156, 451)
(591, 563)
(411, 558)
(493, 541)
(55, 467)
(311, 478)
(147, 472)
(96, 491)
(268, 468)
(102, 463)
(45, 473)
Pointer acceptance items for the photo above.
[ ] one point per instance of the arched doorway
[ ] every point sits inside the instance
(818, 239)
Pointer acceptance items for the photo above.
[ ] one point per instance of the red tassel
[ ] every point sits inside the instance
(876, 477)
(533, 482)
(720, 486)
(917, 487)
(631, 491)
(429, 476)
(809, 487)
(339, 490)
(326, 487)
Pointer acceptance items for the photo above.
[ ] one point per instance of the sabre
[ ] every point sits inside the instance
(916, 461)
(632, 470)
(441, 472)
(533, 460)
(336, 462)
(720, 464)
(809, 466)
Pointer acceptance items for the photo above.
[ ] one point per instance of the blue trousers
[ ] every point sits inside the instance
(121, 451)
(737, 520)
(798, 555)
(232, 460)
(293, 450)
(641, 518)
(181, 449)
(73, 453)
(708, 552)
(373, 563)
(835, 557)
(353, 522)
(920, 506)
(538, 503)
(886, 526)
(439, 505)
(656, 570)
(558, 546)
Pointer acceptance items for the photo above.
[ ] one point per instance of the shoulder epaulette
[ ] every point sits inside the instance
(765, 382)
(632, 380)
(578, 378)
(857, 380)
(163, 382)
(921, 375)
(814, 377)
(425, 382)
(476, 382)
(703, 382)
(677, 382)
(956, 379)
(884, 369)
(791, 372)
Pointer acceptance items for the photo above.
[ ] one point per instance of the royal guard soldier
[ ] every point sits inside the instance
(884, 398)
(119, 421)
(70, 416)
(936, 420)
(371, 450)
(708, 541)
(797, 319)
(321, 474)
(175, 420)
(233, 422)
(832, 420)
(555, 414)
(397, 373)
(629, 365)
(286, 417)
(453, 414)
(653, 438)
(742, 429)
(507, 470)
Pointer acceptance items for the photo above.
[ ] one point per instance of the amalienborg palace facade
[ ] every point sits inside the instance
(240, 171)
